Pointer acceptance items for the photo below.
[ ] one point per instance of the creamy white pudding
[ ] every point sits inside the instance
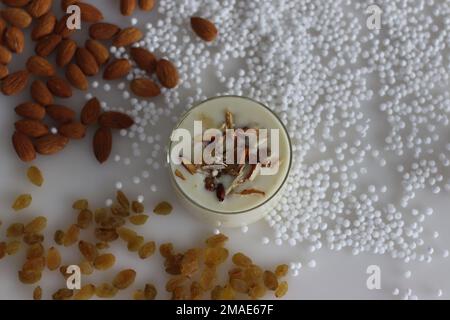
(249, 189)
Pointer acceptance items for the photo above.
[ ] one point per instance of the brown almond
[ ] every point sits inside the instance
(73, 130)
(144, 59)
(90, 13)
(127, 37)
(167, 73)
(65, 52)
(145, 88)
(23, 147)
(37, 8)
(76, 77)
(16, 17)
(117, 69)
(60, 113)
(14, 39)
(127, 7)
(4, 72)
(98, 50)
(16, 3)
(102, 144)
(62, 29)
(86, 61)
(103, 31)
(204, 28)
(31, 128)
(2, 27)
(90, 112)
(147, 5)
(30, 110)
(5, 55)
(40, 67)
(50, 144)
(47, 45)
(59, 87)
(115, 120)
(15, 82)
(45, 26)
(40, 93)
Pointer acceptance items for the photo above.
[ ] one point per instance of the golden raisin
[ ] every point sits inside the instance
(23, 201)
(175, 282)
(139, 295)
(88, 250)
(216, 240)
(34, 264)
(216, 292)
(100, 215)
(150, 291)
(122, 199)
(35, 176)
(84, 218)
(239, 285)
(35, 251)
(241, 260)
(37, 293)
(33, 238)
(29, 276)
(281, 290)
(13, 247)
(124, 279)
(257, 291)
(80, 204)
(138, 219)
(126, 234)
(207, 278)
(2, 249)
(106, 290)
(196, 291)
(63, 294)
(15, 230)
(163, 208)
(147, 250)
(189, 264)
(106, 234)
(137, 207)
(104, 261)
(270, 280)
(118, 210)
(86, 267)
(166, 249)
(71, 235)
(36, 225)
(135, 244)
(215, 256)
(53, 259)
(86, 292)
(102, 245)
(281, 270)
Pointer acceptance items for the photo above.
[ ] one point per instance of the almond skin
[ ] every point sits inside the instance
(47, 45)
(167, 73)
(50, 144)
(86, 61)
(15, 83)
(145, 88)
(90, 112)
(5, 55)
(14, 39)
(72, 130)
(144, 59)
(23, 147)
(147, 5)
(65, 52)
(62, 29)
(103, 31)
(102, 144)
(89, 13)
(127, 37)
(40, 67)
(17, 17)
(115, 120)
(3, 71)
(30, 110)
(44, 27)
(2, 27)
(61, 114)
(16, 3)
(98, 50)
(31, 128)
(205, 29)
(76, 77)
(40, 93)
(127, 7)
(37, 8)
(117, 69)
(59, 87)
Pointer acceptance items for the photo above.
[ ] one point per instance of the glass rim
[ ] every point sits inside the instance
(187, 113)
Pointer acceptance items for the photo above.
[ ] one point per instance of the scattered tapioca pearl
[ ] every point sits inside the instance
(119, 185)
(244, 229)
(439, 293)
(396, 292)
(445, 254)
(140, 198)
(54, 130)
(153, 188)
(312, 263)
(216, 231)
(126, 161)
(117, 158)
(136, 180)
(407, 274)
(95, 84)
(108, 202)
(265, 240)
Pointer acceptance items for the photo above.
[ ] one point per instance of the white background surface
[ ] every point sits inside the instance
(74, 173)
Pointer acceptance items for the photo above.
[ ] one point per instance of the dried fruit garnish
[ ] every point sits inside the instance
(281, 290)
(86, 292)
(281, 270)
(179, 174)
(37, 293)
(147, 250)
(80, 204)
(23, 201)
(163, 208)
(35, 176)
(104, 261)
(137, 207)
(124, 279)
(270, 280)
(53, 259)
(138, 219)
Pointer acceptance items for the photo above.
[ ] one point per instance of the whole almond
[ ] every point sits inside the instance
(17, 17)
(65, 52)
(204, 28)
(59, 87)
(37, 8)
(48, 44)
(15, 83)
(16, 3)
(60, 113)
(23, 147)
(144, 59)
(117, 69)
(89, 13)
(44, 27)
(2, 27)
(72, 130)
(127, 37)
(167, 73)
(145, 88)
(30, 110)
(102, 144)
(103, 31)
(50, 144)
(86, 61)
(14, 39)
(40, 67)
(147, 5)
(76, 77)
(98, 50)
(90, 112)
(31, 128)
(62, 29)
(3, 71)
(40, 93)
(115, 120)
(127, 7)
(5, 55)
